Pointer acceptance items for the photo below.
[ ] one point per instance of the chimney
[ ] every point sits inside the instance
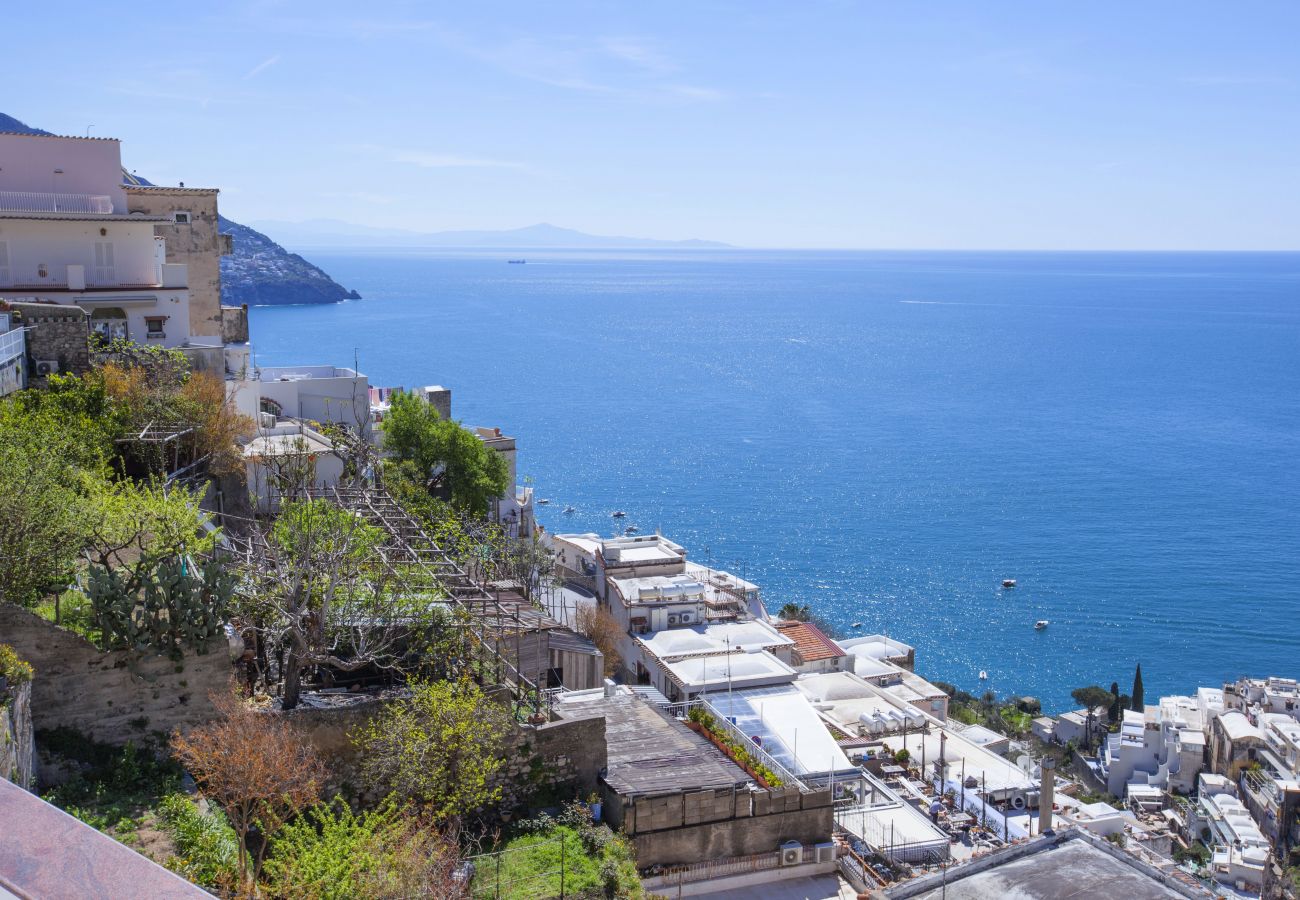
(1047, 794)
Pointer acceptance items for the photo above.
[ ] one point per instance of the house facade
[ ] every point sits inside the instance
(68, 236)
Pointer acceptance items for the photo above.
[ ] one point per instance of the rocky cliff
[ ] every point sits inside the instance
(260, 272)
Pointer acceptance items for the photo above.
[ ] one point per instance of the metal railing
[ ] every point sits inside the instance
(666, 877)
(788, 778)
(12, 345)
(39, 201)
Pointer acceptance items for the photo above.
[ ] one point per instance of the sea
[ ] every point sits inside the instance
(886, 436)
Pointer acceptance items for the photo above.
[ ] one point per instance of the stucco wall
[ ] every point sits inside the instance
(196, 244)
(116, 696)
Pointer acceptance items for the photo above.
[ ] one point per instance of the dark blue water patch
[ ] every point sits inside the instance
(886, 436)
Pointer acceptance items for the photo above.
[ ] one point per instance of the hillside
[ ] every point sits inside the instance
(259, 272)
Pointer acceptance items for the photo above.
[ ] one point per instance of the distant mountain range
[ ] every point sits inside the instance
(259, 272)
(332, 233)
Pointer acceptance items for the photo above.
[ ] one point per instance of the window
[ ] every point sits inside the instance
(109, 324)
(181, 217)
(154, 326)
(5, 276)
(105, 273)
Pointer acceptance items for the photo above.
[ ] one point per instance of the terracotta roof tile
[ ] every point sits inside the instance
(809, 641)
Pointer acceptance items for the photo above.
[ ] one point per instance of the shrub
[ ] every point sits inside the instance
(13, 666)
(331, 853)
(207, 849)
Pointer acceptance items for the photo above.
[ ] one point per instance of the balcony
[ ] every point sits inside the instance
(40, 202)
(12, 345)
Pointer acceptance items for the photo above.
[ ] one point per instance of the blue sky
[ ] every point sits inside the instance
(799, 124)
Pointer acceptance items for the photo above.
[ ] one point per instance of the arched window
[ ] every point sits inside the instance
(109, 323)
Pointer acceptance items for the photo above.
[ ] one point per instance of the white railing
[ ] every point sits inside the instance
(11, 345)
(37, 202)
(788, 778)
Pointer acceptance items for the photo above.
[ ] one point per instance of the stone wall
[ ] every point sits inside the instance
(196, 243)
(112, 696)
(234, 324)
(17, 746)
(693, 826)
(545, 765)
(553, 763)
(58, 332)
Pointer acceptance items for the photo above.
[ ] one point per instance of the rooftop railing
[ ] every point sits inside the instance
(41, 202)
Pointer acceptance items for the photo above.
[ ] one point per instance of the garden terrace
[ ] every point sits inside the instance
(503, 629)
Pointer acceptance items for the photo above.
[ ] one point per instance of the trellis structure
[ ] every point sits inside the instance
(495, 631)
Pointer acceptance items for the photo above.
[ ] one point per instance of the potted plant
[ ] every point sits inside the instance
(593, 804)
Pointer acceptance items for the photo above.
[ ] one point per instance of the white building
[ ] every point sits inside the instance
(881, 648)
(66, 236)
(1163, 747)
(286, 446)
(1254, 696)
(1240, 850)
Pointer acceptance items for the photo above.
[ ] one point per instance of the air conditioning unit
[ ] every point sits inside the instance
(824, 852)
(791, 853)
(673, 618)
(47, 367)
(687, 618)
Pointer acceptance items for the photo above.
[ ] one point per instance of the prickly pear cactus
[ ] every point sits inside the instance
(180, 606)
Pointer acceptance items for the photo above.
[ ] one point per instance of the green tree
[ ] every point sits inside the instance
(1091, 697)
(132, 527)
(316, 586)
(43, 456)
(1116, 711)
(793, 612)
(1139, 704)
(443, 456)
(440, 749)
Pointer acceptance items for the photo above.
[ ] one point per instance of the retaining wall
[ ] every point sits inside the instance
(113, 696)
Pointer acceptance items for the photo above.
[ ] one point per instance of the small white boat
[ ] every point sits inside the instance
(984, 676)
(619, 514)
(1008, 583)
(569, 510)
(543, 501)
(855, 624)
(1041, 624)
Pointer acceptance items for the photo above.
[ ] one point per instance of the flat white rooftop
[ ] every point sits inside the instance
(660, 589)
(588, 543)
(787, 727)
(875, 646)
(853, 704)
(303, 373)
(641, 549)
(735, 670)
(723, 637)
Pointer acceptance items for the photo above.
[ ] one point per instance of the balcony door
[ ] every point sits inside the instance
(105, 271)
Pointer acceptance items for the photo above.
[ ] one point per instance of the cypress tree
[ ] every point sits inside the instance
(1138, 703)
(1116, 710)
